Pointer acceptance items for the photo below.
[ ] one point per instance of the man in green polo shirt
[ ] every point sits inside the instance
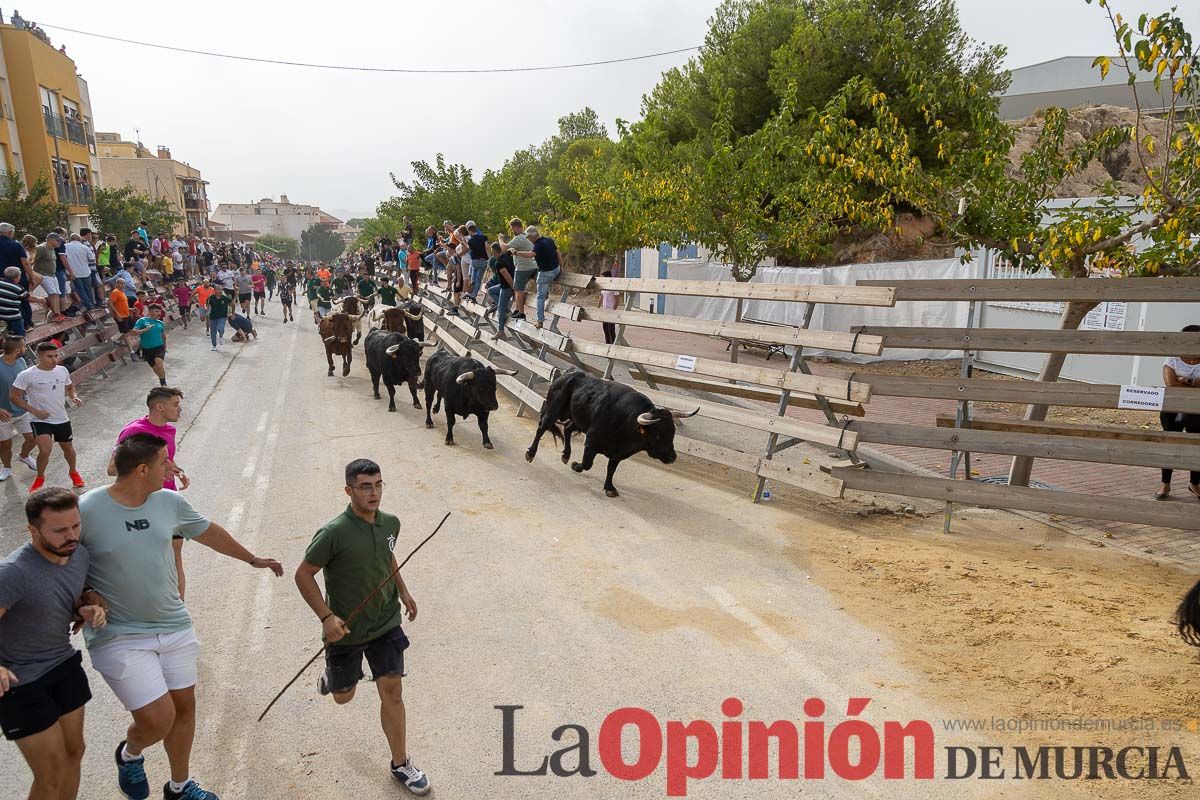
(354, 553)
(387, 293)
(366, 290)
(324, 301)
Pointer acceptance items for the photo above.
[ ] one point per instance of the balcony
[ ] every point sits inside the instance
(75, 131)
(193, 201)
(75, 194)
(55, 125)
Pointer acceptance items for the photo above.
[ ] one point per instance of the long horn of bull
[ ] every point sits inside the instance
(428, 344)
(683, 415)
(505, 371)
(331, 338)
(466, 376)
(392, 350)
(647, 419)
(413, 317)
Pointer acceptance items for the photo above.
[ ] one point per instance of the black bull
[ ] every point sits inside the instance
(397, 360)
(465, 386)
(616, 421)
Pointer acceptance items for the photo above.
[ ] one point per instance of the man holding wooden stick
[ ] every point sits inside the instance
(354, 553)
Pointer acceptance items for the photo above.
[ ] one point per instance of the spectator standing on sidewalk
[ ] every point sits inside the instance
(43, 687)
(12, 295)
(42, 391)
(14, 421)
(13, 254)
(1183, 371)
(78, 255)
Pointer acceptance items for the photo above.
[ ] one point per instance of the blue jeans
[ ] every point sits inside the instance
(432, 261)
(478, 267)
(216, 327)
(83, 288)
(502, 293)
(16, 327)
(61, 274)
(544, 279)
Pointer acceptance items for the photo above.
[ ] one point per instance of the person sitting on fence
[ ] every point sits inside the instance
(609, 300)
(1181, 371)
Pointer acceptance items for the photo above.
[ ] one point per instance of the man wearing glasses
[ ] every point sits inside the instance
(354, 553)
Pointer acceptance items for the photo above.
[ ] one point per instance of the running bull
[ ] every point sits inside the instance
(405, 318)
(397, 360)
(616, 421)
(465, 386)
(335, 332)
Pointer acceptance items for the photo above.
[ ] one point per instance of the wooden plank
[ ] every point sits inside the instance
(1080, 395)
(574, 279)
(1174, 290)
(524, 360)
(763, 376)
(796, 400)
(793, 293)
(973, 493)
(41, 333)
(555, 341)
(743, 331)
(809, 479)
(453, 344)
(758, 420)
(92, 367)
(80, 344)
(431, 306)
(1071, 429)
(467, 328)
(1019, 340)
(522, 392)
(1035, 445)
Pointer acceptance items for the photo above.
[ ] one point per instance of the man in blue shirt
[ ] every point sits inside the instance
(12, 254)
(545, 252)
(153, 333)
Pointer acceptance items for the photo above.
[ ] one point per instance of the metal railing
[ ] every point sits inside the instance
(75, 131)
(55, 125)
(79, 194)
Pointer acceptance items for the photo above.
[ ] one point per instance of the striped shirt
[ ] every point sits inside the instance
(11, 296)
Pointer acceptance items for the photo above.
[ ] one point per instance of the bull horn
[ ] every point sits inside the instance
(505, 371)
(428, 344)
(647, 419)
(413, 317)
(331, 338)
(392, 349)
(466, 376)
(683, 415)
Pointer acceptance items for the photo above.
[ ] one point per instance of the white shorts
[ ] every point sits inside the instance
(16, 425)
(142, 667)
(50, 284)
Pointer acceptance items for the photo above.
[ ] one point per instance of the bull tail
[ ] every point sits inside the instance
(1187, 616)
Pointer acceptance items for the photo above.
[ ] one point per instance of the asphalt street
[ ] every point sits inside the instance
(539, 592)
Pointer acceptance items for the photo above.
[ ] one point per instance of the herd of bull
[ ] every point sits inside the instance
(616, 421)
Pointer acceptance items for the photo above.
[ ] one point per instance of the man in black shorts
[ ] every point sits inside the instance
(354, 552)
(43, 687)
(42, 390)
(287, 297)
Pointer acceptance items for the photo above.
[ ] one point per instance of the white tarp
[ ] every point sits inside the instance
(828, 316)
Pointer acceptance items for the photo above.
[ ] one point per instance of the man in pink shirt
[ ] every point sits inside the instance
(259, 282)
(183, 296)
(164, 406)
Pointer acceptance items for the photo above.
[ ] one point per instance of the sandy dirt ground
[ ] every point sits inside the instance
(543, 593)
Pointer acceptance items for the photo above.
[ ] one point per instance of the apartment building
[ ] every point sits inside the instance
(158, 176)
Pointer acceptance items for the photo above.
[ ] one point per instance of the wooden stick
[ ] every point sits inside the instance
(353, 613)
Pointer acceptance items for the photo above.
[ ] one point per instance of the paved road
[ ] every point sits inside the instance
(539, 592)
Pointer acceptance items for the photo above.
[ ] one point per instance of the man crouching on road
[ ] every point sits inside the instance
(355, 553)
(43, 687)
(147, 652)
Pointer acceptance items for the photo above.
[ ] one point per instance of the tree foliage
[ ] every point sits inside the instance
(120, 210)
(283, 246)
(32, 211)
(318, 243)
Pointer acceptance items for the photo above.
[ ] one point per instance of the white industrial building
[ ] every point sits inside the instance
(282, 218)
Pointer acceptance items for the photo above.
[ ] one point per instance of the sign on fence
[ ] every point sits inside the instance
(1142, 398)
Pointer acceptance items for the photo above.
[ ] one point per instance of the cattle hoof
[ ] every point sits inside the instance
(392, 408)
(577, 466)
(565, 458)
(377, 397)
(417, 405)
(429, 425)
(331, 373)
(529, 454)
(488, 446)
(449, 443)
(345, 371)
(611, 493)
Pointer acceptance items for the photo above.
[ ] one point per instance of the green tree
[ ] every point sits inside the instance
(32, 211)
(283, 246)
(318, 243)
(119, 210)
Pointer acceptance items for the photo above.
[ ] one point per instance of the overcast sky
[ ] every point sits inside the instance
(330, 138)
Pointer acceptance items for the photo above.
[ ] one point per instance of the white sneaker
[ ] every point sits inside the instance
(413, 779)
(28, 461)
(5, 473)
(214, 348)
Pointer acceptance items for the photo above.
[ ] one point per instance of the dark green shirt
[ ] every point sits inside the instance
(218, 306)
(387, 295)
(366, 287)
(324, 296)
(340, 283)
(355, 557)
(311, 288)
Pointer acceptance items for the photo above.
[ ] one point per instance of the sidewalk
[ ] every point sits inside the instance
(1161, 544)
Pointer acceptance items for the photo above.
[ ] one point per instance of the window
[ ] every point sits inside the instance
(70, 109)
(49, 101)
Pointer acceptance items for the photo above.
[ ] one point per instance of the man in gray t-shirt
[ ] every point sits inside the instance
(524, 264)
(148, 654)
(43, 687)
